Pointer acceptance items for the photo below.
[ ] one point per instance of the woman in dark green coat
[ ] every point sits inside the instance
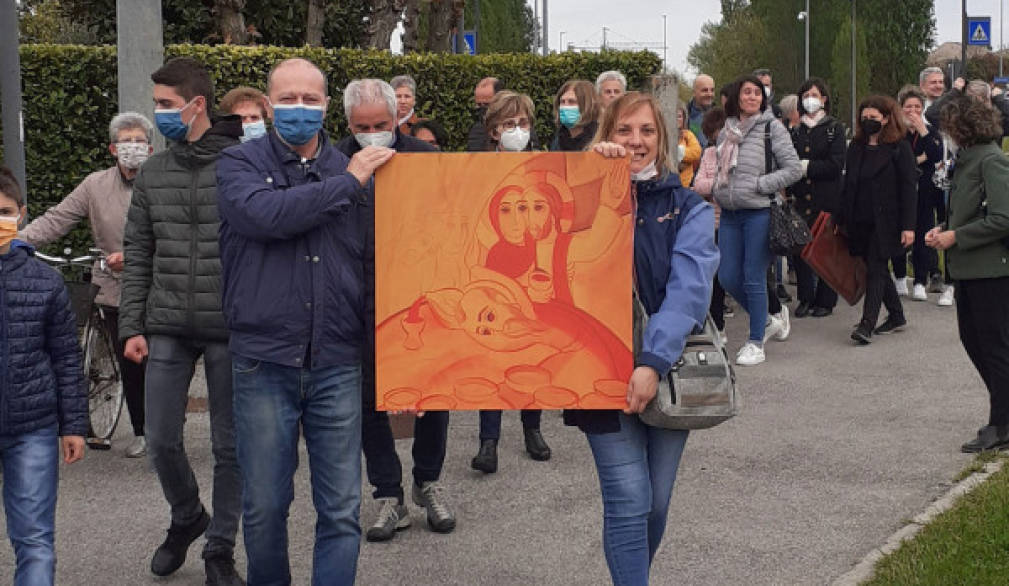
(975, 239)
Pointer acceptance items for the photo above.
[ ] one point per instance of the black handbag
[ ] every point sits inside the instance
(787, 231)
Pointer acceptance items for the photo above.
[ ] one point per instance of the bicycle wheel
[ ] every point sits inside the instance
(101, 374)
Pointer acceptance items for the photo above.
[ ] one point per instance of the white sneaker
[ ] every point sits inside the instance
(946, 298)
(771, 328)
(750, 355)
(785, 325)
(138, 449)
(901, 284)
(919, 293)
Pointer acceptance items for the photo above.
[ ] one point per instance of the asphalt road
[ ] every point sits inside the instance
(836, 447)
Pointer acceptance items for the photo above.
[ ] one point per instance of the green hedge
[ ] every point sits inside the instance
(70, 95)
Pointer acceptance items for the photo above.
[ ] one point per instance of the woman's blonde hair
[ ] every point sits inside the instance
(628, 104)
(507, 104)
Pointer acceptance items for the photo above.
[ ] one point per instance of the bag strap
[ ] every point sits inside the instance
(768, 155)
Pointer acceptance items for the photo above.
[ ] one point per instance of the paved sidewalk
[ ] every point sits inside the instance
(836, 448)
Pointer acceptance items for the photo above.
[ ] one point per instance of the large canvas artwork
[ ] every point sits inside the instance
(503, 281)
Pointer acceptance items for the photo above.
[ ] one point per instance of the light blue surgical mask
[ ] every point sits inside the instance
(569, 115)
(253, 130)
(170, 124)
(297, 123)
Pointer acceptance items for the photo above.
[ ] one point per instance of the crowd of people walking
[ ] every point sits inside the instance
(253, 190)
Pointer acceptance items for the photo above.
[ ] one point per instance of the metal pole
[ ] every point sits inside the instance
(604, 36)
(1001, 24)
(560, 44)
(536, 22)
(963, 45)
(546, 30)
(854, 65)
(140, 51)
(807, 39)
(664, 43)
(10, 87)
(476, 27)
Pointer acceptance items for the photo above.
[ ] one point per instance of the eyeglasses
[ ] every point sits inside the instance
(512, 123)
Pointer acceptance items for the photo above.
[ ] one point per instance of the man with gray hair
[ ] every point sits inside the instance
(932, 81)
(104, 198)
(405, 89)
(610, 85)
(296, 211)
(370, 106)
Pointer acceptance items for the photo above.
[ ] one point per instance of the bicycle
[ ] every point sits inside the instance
(101, 367)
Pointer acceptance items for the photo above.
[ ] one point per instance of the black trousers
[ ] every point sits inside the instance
(132, 373)
(385, 472)
(880, 289)
(982, 313)
(717, 307)
(811, 289)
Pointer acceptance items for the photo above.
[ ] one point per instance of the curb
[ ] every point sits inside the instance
(866, 568)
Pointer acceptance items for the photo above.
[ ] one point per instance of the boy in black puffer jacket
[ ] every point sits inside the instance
(41, 396)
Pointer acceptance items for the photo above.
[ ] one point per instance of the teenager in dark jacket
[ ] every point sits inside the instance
(674, 266)
(171, 309)
(879, 208)
(370, 108)
(42, 397)
(926, 145)
(819, 142)
(576, 116)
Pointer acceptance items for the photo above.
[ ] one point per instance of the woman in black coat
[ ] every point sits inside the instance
(879, 208)
(819, 141)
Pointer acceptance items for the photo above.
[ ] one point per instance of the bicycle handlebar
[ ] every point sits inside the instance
(82, 261)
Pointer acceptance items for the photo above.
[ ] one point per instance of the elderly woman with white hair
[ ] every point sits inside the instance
(406, 99)
(610, 85)
(104, 198)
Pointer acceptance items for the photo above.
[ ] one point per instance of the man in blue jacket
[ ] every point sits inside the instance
(295, 270)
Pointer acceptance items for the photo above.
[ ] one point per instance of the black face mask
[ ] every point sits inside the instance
(870, 126)
(480, 112)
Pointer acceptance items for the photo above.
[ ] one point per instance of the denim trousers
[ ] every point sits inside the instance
(272, 403)
(490, 422)
(637, 468)
(170, 368)
(385, 472)
(30, 464)
(743, 244)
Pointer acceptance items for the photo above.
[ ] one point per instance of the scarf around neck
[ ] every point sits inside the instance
(728, 152)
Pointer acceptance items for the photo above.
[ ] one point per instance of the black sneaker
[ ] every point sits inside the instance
(486, 459)
(431, 496)
(821, 311)
(220, 571)
(536, 445)
(989, 437)
(171, 554)
(891, 325)
(862, 335)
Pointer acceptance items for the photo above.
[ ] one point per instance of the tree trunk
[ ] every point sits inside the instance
(439, 26)
(230, 22)
(315, 22)
(411, 38)
(385, 15)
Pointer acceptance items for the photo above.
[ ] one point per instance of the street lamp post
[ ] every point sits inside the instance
(804, 16)
(560, 46)
(663, 43)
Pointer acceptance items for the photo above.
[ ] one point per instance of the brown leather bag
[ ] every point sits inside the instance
(828, 255)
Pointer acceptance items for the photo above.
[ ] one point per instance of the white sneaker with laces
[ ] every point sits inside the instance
(750, 355)
(772, 328)
(901, 284)
(785, 326)
(946, 298)
(919, 293)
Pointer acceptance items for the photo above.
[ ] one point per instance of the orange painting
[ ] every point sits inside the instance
(503, 281)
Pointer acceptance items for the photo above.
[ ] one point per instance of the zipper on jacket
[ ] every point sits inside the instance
(194, 250)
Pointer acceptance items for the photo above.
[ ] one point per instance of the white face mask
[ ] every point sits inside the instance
(380, 139)
(515, 139)
(812, 105)
(646, 173)
(132, 154)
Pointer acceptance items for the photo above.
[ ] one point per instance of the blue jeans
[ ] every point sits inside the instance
(743, 243)
(30, 473)
(271, 403)
(637, 468)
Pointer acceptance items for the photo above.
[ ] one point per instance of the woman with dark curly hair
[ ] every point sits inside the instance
(975, 238)
(879, 208)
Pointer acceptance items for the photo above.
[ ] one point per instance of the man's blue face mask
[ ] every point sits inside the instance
(170, 124)
(297, 124)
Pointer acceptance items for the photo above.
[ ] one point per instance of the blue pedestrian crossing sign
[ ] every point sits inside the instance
(979, 31)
